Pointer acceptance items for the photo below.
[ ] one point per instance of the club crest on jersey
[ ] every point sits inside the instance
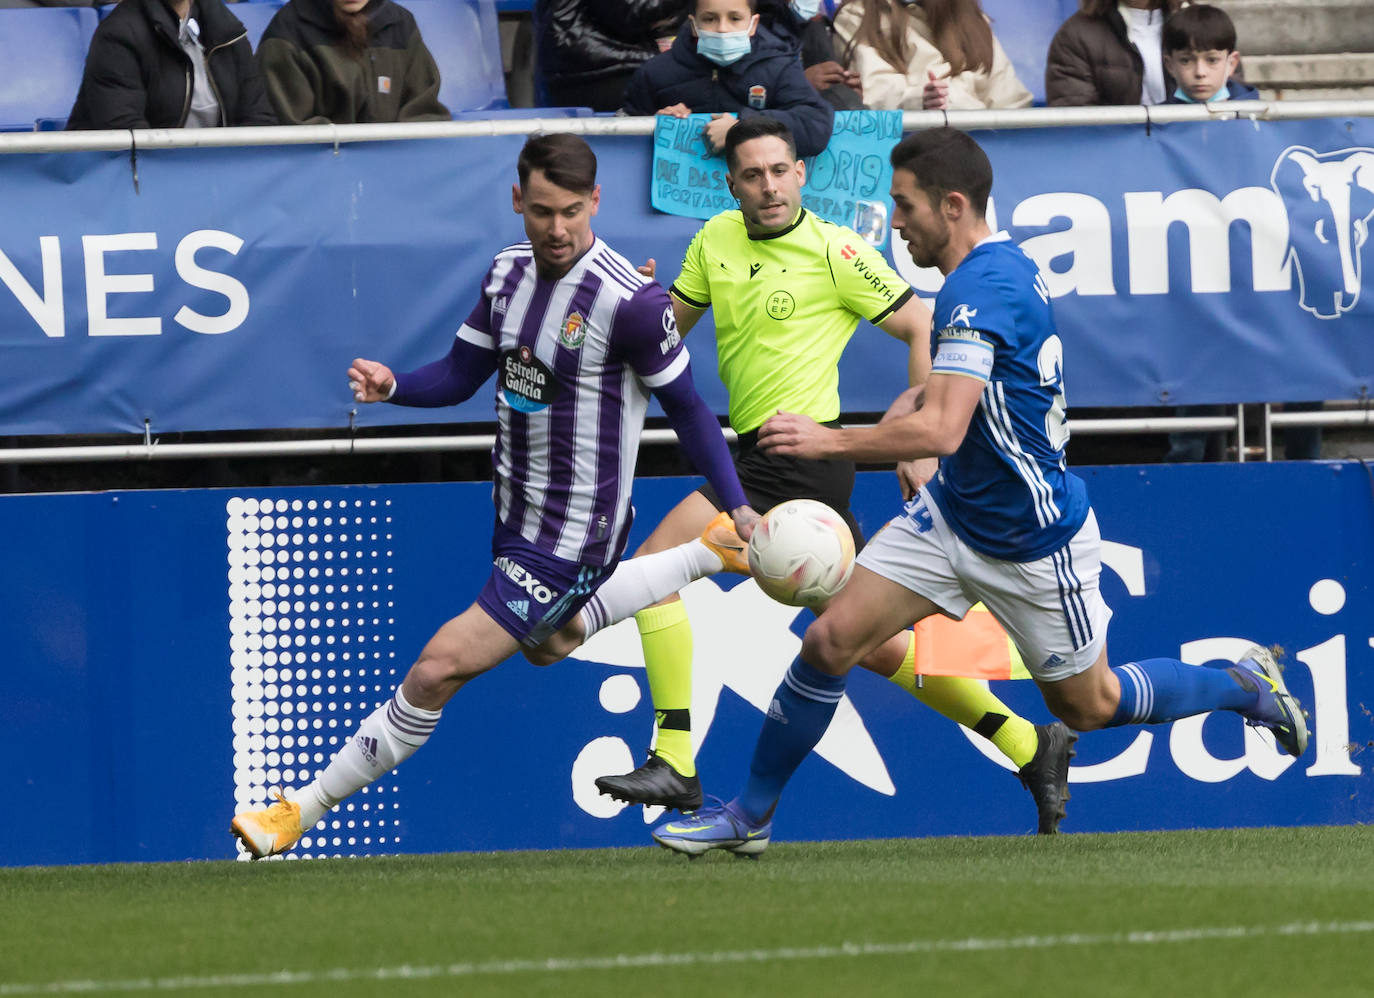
(962, 316)
(527, 385)
(574, 331)
(758, 97)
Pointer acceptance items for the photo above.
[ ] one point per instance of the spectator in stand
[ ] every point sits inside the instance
(587, 50)
(178, 64)
(806, 25)
(1201, 55)
(346, 61)
(1110, 52)
(722, 62)
(928, 55)
(1199, 50)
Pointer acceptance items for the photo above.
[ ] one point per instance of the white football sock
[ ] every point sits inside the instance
(386, 738)
(643, 581)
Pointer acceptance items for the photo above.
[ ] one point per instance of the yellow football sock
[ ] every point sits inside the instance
(970, 703)
(666, 634)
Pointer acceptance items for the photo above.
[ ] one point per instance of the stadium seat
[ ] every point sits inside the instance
(465, 41)
(255, 17)
(1025, 29)
(43, 52)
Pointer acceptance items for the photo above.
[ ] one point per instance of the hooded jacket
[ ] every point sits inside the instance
(1092, 62)
(768, 80)
(313, 78)
(137, 75)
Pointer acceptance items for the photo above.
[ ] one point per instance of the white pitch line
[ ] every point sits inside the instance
(625, 961)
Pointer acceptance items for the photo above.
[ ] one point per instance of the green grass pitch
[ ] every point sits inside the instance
(1254, 912)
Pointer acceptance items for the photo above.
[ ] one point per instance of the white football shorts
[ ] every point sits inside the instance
(1050, 607)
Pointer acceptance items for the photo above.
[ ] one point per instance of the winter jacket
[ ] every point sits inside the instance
(1092, 62)
(312, 77)
(894, 89)
(769, 80)
(137, 75)
(813, 38)
(1235, 90)
(579, 41)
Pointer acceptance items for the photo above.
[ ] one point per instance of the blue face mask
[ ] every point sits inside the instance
(723, 47)
(805, 9)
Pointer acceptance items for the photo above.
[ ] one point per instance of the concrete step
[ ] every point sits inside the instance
(1364, 92)
(1300, 27)
(1307, 72)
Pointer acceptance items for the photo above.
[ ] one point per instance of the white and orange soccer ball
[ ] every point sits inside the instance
(801, 552)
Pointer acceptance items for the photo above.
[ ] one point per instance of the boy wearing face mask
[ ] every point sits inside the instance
(724, 63)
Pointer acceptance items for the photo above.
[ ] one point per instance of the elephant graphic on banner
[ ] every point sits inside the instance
(1330, 199)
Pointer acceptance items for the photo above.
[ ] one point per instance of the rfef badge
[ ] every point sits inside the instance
(758, 97)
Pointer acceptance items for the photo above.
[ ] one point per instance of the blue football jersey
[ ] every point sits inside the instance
(1005, 491)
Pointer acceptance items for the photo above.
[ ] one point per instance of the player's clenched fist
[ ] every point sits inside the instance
(370, 381)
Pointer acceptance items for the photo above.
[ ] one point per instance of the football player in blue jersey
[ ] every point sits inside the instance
(1002, 521)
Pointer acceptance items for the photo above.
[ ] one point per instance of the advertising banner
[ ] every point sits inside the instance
(173, 656)
(228, 289)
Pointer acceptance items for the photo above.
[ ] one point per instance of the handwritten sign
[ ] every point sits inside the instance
(846, 182)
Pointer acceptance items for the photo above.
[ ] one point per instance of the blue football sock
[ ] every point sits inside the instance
(797, 718)
(1155, 690)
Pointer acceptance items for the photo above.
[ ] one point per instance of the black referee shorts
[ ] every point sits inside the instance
(770, 478)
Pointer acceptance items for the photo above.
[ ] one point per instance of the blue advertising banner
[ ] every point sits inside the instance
(847, 183)
(228, 289)
(171, 656)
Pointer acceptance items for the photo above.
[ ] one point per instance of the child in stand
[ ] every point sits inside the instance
(723, 62)
(1200, 54)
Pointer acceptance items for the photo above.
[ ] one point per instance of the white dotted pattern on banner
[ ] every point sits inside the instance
(311, 653)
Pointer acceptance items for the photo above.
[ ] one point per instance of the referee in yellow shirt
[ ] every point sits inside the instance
(788, 290)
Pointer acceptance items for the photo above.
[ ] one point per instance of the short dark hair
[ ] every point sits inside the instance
(564, 158)
(1199, 28)
(756, 127)
(945, 160)
(754, 5)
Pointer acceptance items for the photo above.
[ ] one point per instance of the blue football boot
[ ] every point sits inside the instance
(1275, 708)
(720, 826)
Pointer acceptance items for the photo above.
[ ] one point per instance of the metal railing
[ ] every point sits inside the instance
(150, 449)
(133, 140)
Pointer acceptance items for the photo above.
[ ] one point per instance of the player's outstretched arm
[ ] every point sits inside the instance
(370, 381)
(934, 430)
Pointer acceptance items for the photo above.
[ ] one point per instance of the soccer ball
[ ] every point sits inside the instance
(801, 552)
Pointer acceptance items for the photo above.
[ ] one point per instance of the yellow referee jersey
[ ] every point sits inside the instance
(785, 305)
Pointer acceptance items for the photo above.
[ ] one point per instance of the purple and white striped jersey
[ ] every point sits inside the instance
(575, 360)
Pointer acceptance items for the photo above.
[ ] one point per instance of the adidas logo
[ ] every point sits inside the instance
(369, 747)
(519, 607)
(775, 712)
